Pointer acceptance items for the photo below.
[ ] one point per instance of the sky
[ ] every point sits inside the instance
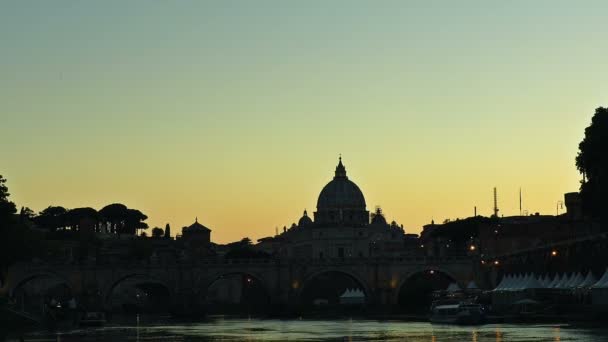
(235, 112)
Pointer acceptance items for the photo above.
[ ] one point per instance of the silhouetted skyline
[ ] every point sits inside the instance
(236, 112)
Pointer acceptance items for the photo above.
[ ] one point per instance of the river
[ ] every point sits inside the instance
(224, 329)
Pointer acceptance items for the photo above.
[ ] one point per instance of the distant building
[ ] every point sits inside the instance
(341, 227)
(504, 235)
(196, 233)
(196, 240)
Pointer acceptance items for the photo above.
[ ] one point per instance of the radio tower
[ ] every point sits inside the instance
(495, 203)
(520, 202)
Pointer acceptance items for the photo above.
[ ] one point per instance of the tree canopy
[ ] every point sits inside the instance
(592, 162)
(157, 232)
(7, 208)
(17, 241)
(123, 220)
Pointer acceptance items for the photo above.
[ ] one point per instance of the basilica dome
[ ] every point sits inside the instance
(341, 193)
(305, 221)
(341, 201)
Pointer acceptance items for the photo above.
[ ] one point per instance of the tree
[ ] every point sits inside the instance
(17, 241)
(114, 215)
(243, 250)
(592, 162)
(7, 208)
(167, 231)
(78, 218)
(123, 220)
(27, 213)
(134, 221)
(157, 232)
(52, 218)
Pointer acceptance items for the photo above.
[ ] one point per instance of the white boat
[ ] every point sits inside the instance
(460, 313)
(93, 318)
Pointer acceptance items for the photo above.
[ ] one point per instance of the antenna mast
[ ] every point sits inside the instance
(495, 203)
(520, 201)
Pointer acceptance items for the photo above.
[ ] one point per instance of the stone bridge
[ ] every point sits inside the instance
(283, 280)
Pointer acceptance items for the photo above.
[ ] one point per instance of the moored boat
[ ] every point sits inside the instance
(93, 318)
(459, 313)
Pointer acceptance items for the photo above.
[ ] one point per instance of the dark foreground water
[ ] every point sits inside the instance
(316, 330)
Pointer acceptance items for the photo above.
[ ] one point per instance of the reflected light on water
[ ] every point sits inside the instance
(556, 334)
(498, 335)
(219, 328)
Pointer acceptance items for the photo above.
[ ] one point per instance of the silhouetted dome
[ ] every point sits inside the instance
(305, 221)
(341, 193)
(378, 217)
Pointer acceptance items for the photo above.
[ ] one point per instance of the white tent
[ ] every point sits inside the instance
(532, 283)
(577, 281)
(541, 280)
(354, 296)
(521, 283)
(563, 280)
(554, 281)
(588, 281)
(603, 282)
(546, 280)
(515, 283)
(512, 279)
(568, 284)
(503, 282)
(453, 287)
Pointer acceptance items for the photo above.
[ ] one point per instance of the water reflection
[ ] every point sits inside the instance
(498, 335)
(237, 330)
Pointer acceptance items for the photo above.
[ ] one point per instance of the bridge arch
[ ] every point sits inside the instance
(140, 282)
(35, 291)
(357, 281)
(36, 275)
(234, 291)
(415, 287)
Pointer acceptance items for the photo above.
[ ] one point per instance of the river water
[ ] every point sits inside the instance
(221, 329)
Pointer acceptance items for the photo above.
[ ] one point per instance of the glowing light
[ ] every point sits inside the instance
(496, 262)
(553, 253)
(472, 248)
(432, 271)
